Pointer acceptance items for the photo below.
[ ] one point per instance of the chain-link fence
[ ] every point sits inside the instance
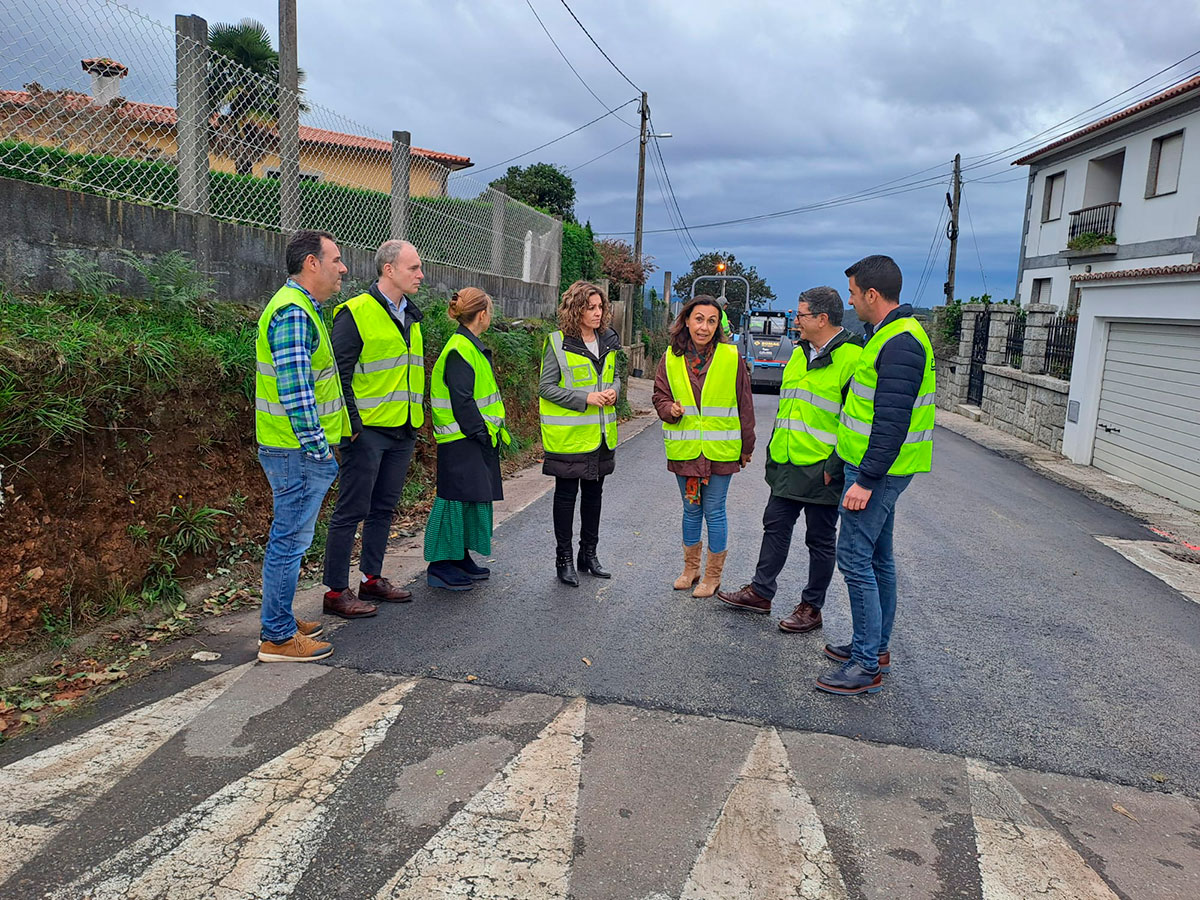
(96, 97)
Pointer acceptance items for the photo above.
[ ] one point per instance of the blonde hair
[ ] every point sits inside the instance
(574, 303)
(466, 304)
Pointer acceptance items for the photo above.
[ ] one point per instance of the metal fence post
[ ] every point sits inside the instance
(401, 186)
(191, 126)
(499, 200)
(1038, 317)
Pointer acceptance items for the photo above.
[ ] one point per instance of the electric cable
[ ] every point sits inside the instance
(598, 47)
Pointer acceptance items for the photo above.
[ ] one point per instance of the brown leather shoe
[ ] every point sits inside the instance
(805, 617)
(348, 606)
(309, 629)
(745, 597)
(382, 589)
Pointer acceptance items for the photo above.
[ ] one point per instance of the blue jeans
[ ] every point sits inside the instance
(299, 484)
(864, 554)
(710, 509)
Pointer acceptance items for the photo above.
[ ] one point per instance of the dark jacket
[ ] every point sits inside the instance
(807, 483)
(347, 347)
(601, 461)
(901, 366)
(701, 466)
(468, 470)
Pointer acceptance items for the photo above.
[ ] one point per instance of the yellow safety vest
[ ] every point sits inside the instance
(486, 394)
(272, 427)
(389, 378)
(854, 428)
(712, 428)
(570, 431)
(810, 403)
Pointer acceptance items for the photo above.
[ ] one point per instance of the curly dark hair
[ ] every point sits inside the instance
(575, 301)
(680, 336)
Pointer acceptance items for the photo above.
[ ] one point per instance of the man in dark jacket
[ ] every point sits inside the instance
(885, 437)
(377, 344)
(804, 473)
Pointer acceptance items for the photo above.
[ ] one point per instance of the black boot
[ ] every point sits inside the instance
(566, 570)
(587, 562)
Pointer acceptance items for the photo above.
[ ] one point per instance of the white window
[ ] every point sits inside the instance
(1052, 198)
(1166, 153)
(1041, 290)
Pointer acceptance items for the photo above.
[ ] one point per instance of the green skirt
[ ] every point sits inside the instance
(454, 527)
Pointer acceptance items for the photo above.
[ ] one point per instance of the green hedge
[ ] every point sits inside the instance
(580, 258)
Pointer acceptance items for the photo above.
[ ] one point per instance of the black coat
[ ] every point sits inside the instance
(597, 463)
(468, 470)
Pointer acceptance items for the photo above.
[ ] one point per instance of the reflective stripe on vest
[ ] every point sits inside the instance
(570, 431)
(389, 378)
(272, 427)
(858, 415)
(486, 394)
(713, 428)
(810, 401)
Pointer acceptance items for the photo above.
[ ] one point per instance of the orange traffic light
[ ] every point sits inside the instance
(721, 268)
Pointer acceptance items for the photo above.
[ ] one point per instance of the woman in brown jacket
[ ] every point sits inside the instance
(703, 447)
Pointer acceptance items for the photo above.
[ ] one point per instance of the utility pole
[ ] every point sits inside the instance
(641, 187)
(952, 228)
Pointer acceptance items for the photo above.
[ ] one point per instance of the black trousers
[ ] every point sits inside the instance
(372, 478)
(565, 491)
(820, 535)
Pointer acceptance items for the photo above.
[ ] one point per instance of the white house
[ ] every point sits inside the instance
(1112, 232)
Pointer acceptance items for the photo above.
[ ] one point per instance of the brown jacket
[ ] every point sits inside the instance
(702, 467)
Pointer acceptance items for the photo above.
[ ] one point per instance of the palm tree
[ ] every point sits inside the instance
(243, 90)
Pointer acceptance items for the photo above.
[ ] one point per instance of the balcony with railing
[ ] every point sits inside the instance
(1093, 230)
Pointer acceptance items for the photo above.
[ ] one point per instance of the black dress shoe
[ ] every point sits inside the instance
(566, 569)
(587, 562)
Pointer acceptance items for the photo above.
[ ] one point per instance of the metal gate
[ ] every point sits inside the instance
(979, 346)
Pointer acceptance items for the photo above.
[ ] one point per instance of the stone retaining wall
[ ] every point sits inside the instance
(1030, 407)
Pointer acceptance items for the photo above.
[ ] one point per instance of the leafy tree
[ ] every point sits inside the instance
(735, 291)
(619, 265)
(543, 185)
(243, 89)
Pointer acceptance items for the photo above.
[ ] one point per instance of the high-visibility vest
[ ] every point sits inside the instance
(858, 413)
(712, 428)
(810, 403)
(271, 424)
(570, 431)
(486, 394)
(389, 378)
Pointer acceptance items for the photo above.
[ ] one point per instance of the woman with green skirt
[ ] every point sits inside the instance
(468, 426)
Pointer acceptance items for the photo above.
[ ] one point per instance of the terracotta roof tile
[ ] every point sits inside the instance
(154, 114)
(1152, 272)
(1170, 94)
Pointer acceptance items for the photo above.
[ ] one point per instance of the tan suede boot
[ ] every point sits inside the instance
(712, 575)
(691, 566)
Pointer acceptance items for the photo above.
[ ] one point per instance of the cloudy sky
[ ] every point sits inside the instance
(773, 105)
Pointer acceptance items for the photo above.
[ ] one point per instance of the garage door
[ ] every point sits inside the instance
(1148, 430)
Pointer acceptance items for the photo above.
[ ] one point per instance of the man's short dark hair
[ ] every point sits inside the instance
(879, 272)
(303, 245)
(824, 299)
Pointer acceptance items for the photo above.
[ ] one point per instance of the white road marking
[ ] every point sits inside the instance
(46, 791)
(1020, 856)
(768, 842)
(1149, 555)
(514, 839)
(256, 836)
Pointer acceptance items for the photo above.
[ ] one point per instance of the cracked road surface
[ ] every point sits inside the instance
(1042, 690)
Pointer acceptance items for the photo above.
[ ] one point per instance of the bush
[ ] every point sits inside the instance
(1089, 240)
(580, 257)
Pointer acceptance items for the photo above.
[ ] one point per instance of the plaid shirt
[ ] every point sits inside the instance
(293, 340)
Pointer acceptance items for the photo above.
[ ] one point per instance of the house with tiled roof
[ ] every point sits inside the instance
(103, 122)
(1112, 234)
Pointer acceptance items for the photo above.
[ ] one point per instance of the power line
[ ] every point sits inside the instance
(602, 155)
(555, 141)
(975, 241)
(670, 188)
(598, 47)
(938, 232)
(667, 205)
(574, 72)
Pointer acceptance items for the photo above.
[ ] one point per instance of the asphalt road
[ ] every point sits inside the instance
(1020, 638)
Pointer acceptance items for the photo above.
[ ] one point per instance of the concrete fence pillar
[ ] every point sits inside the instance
(191, 100)
(666, 299)
(401, 163)
(289, 120)
(1037, 331)
(626, 291)
(1001, 319)
(966, 336)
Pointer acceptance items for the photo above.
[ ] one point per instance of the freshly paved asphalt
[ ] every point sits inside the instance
(1020, 638)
